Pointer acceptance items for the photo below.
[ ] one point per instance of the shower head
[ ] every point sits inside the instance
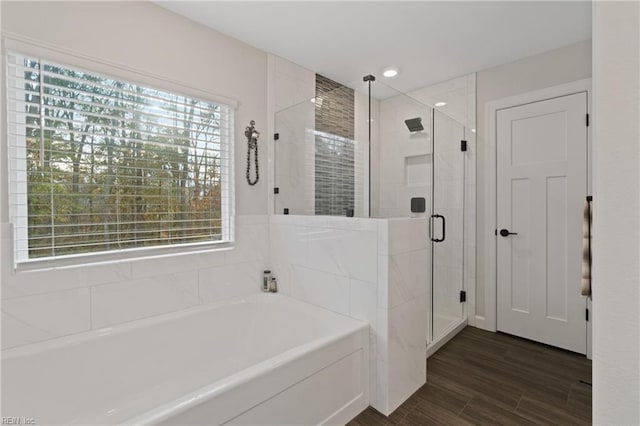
(414, 124)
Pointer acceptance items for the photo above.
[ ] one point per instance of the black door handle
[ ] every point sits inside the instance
(506, 233)
(444, 228)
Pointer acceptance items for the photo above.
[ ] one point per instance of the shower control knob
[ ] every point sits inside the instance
(506, 233)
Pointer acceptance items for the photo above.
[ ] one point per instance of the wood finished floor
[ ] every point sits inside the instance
(484, 378)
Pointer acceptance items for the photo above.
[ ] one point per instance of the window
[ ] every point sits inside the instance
(99, 165)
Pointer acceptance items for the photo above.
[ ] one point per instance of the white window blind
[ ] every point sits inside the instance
(98, 164)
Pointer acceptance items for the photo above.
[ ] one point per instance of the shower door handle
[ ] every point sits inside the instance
(444, 228)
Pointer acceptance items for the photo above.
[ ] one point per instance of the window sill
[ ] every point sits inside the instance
(122, 256)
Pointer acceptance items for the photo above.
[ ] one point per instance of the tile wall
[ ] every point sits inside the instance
(48, 303)
(369, 269)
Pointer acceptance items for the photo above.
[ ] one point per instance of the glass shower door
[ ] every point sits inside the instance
(447, 224)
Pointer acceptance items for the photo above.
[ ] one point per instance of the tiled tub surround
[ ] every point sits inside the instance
(44, 304)
(369, 269)
(191, 368)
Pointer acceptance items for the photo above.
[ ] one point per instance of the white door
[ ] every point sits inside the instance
(541, 187)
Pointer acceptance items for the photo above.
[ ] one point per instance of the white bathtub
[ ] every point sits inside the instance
(263, 359)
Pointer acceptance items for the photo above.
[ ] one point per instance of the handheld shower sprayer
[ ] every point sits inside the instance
(252, 145)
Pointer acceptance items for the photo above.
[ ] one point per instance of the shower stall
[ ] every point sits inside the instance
(368, 150)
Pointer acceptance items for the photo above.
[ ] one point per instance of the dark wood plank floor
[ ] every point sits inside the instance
(485, 378)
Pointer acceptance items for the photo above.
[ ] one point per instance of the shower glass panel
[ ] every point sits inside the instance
(402, 149)
(322, 156)
(368, 150)
(447, 224)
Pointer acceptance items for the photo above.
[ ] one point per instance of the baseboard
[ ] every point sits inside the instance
(481, 323)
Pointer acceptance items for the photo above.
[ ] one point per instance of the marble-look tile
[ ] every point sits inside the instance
(407, 350)
(291, 219)
(408, 235)
(448, 282)
(322, 289)
(408, 276)
(22, 283)
(381, 400)
(44, 316)
(352, 223)
(229, 281)
(324, 250)
(251, 244)
(363, 301)
(315, 221)
(288, 242)
(252, 219)
(344, 252)
(175, 263)
(383, 237)
(383, 281)
(131, 300)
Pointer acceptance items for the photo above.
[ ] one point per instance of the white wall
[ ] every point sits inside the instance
(140, 37)
(616, 215)
(548, 69)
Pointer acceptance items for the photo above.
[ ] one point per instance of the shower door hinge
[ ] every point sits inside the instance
(587, 120)
(586, 314)
(276, 136)
(463, 146)
(463, 296)
(276, 190)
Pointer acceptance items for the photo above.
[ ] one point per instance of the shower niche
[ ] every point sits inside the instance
(368, 149)
(417, 170)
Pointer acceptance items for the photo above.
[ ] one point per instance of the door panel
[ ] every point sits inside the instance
(447, 227)
(541, 186)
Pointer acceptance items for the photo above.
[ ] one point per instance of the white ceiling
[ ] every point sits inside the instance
(429, 41)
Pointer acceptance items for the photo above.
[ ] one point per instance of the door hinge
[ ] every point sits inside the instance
(276, 136)
(463, 296)
(587, 120)
(463, 145)
(276, 190)
(586, 314)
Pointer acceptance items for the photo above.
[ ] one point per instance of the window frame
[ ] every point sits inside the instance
(49, 53)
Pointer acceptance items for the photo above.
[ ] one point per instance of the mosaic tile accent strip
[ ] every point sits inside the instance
(335, 150)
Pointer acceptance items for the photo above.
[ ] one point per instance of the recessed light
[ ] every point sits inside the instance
(390, 72)
(473, 130)
(440, 104)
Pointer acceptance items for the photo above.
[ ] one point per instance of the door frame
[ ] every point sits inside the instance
(489, 320)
